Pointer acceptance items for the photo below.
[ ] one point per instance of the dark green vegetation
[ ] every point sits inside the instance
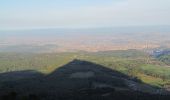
(108, 75)
(165, 59)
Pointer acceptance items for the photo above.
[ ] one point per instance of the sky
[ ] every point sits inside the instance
(33, 14)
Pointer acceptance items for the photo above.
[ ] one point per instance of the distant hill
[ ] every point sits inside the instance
(29, 48)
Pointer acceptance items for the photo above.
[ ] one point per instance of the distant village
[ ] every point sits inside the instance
(160, 52)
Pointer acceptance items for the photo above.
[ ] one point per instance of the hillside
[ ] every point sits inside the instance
(80, 80)
(120, 71)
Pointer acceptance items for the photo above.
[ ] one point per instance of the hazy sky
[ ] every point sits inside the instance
(23, 14)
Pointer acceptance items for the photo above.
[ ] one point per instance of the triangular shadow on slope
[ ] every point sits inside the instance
(81, 80)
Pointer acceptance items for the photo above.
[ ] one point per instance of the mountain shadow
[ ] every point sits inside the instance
(77, 80)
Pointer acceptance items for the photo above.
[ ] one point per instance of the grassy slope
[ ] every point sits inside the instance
(130, 62)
